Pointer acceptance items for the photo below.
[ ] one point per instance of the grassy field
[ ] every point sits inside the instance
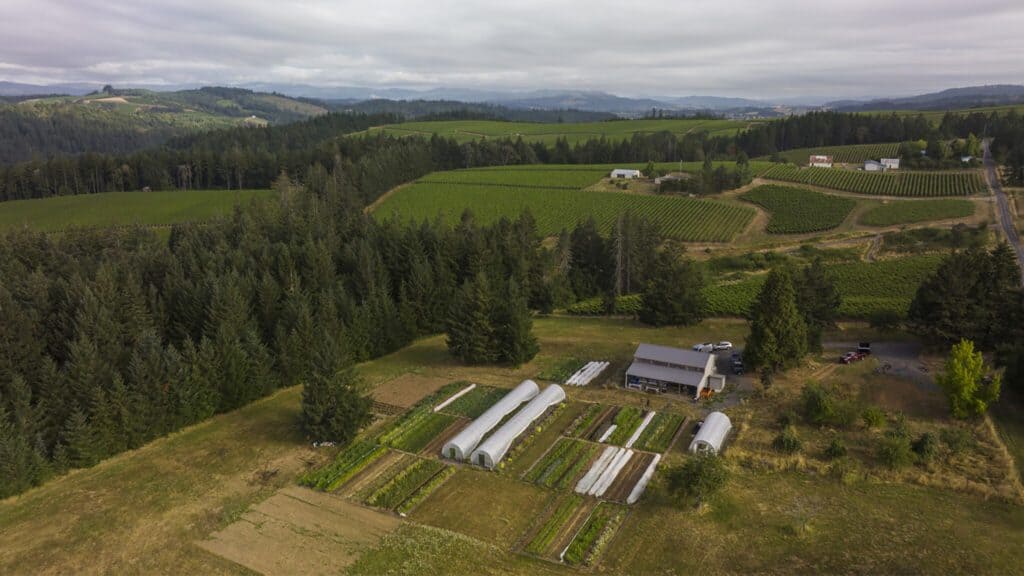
(798, 211)
(851, 154)
(145, 511)
(494, 194)
(911, 212)
(123, 208)
(935, 116)
(466, 130)
(910, 184)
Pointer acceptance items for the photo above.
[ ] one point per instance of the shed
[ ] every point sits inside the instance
(463, 443)
(626, 173)
(873, 166)
(891, 163)
(492, 450)
(661, 368)
(712, 434)
(819, 161)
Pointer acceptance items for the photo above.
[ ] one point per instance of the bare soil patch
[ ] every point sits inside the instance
(300, 531)
(628, 477)
(406, 390)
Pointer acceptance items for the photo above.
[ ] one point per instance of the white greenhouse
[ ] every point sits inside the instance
(492, 450)
(712, 434)
(461, 446)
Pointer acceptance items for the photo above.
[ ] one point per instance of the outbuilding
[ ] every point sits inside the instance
(873, 166)
(625, 173)
(712, 434)
(891, 163)
(819, 161)
(662, 368)
(463, 443)
(492, 450)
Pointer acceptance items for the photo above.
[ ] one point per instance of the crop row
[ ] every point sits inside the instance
(476, 402)
(561, 464)
(345, 465)
(413, 434)
(553, 526)
(756, 167)
(916, 184)
(585, 420)
(554, 210)
(659, 433)
(425, 490)
(849, 154)
(797, 211)
(405, 483)
(908, 212)
(626, 421)
(587, 546)
(567, 178)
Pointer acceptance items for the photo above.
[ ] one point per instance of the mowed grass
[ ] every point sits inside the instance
(797, 210)
(494, 194)
(547, 133)
(123, 208)
(910, 212)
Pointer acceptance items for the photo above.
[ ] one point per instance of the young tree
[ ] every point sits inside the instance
(778, 333)
(963, 380)
(697, 479)
(674, 292)
(332, 409)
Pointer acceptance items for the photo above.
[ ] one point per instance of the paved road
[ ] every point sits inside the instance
(1005, 216)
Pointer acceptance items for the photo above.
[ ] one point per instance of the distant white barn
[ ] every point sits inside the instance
(492, 450)
(712, 434)
(625, 173)
(463, 443)
(873, 166)
(891, 163)
(819, 161)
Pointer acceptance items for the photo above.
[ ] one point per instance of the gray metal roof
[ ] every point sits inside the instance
(672, 355)
(665, 374)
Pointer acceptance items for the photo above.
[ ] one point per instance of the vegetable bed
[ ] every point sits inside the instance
(587, 546)
(345, 465)
(659, 433)
(626, 422)
(476, 402)
(403, 485)
(562, 464)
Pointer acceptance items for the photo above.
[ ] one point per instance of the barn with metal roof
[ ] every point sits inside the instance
(662, 369)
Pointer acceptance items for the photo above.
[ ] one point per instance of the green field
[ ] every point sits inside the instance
(910, 212)
(467, 130)
(123, 208)
(498, 194)
(797, 211)
(850, 154)
(912, 184)
(866, 287)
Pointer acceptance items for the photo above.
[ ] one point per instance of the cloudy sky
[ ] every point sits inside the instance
(749, 48)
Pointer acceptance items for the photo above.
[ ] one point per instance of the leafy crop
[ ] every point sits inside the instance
(405, 483)
(796, 211)
(659, 433)
(917, 211)
(626, 421)
(475, 402)
(915, 184)
(586, 547)
(562, 464)
(553, 525)
(584, 420)
(413, 434)
(425, 490)
(345, 465)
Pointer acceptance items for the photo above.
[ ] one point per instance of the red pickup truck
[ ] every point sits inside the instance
(851, 357)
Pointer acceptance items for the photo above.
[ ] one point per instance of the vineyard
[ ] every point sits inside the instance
(798, 211)
(554, 210)
(566, 178)
(917, 211)
(756, 167)
(850, 154)
(910, 184)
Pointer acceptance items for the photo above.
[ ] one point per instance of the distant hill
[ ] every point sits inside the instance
(455, 110)
(121, 121)
(951, 99)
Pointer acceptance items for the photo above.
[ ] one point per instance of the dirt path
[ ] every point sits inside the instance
(569, 528)
(628, 477)
(1005, 216)
(872, 253)
(373, 206)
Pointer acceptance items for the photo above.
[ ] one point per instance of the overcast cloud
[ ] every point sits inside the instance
(757, 49)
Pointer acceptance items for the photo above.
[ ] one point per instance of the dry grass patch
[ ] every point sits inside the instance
(406, 390)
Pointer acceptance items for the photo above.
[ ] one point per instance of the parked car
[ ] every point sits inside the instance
(851, 357)
(864, 348)
(723, 345)
(705, 347)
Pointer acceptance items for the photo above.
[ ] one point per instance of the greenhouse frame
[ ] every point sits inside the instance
(712, 434)
(462, 444)
(490, 453)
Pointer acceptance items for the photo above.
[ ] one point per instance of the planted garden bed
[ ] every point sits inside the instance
(628, 477)
(558, 526)
(404, 484)
(626, 421)
(591, 540)
(658, 435)
(345, 465)
(475, 402)
(561, 467)
(415, 433)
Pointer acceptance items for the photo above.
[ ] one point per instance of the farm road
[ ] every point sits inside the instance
(1005, 217)
(903, 359)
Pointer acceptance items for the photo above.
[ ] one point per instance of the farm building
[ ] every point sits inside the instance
(873, 166)
(625, 173)
(496, 446)
(891, 163)
(819, 161)
(462, 445)
(668, 178)
(712, 434)
(661, 368)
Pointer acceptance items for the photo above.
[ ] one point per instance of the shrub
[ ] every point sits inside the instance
(925, 446)
(873, 417)
(836, 449)
(817, 404)
(699, 477)
(894, 451)
(787, 441)
(899, 427)
(956, 439)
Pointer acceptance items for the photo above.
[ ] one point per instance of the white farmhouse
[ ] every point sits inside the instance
(873, 166)
(891, 163)
(625, 173)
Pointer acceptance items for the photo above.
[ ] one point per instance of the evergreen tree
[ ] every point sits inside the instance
(513, 328)
(674, 293)
(78, 438)
(778, 333)
(332, 409)
(818, 300)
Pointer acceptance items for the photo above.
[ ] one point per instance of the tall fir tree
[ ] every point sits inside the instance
(778, 333)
